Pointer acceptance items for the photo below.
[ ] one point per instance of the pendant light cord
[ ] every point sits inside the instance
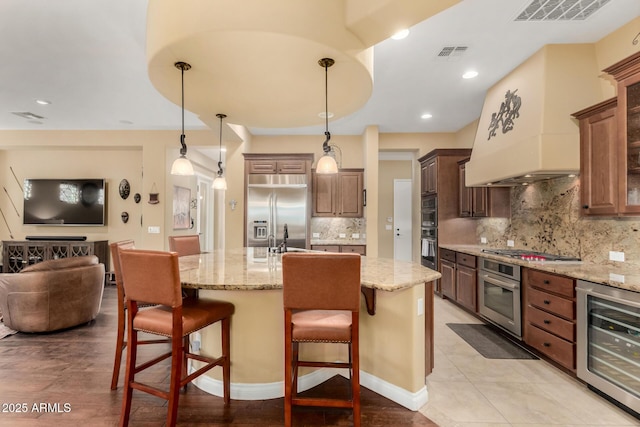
(220, 170)
(326, 63)
(182, 66)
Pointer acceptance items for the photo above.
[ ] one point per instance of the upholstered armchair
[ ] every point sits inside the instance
(52, 295)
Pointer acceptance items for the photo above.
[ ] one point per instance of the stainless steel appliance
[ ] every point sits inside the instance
(429, 232)
(499, 295)
(608, 341)
(273, 201)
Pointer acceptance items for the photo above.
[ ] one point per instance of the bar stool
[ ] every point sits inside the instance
(321, 298)
(121, 343)
(185, 245)
(154, 277)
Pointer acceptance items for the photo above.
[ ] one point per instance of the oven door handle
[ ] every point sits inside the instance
(498, 282)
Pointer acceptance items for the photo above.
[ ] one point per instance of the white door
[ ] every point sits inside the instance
(402, 231)
(204, 214)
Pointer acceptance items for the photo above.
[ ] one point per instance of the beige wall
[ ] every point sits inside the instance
(613, 48)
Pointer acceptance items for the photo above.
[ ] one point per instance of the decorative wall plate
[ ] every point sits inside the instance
(124, 189)
(125, 217)
(137, 197)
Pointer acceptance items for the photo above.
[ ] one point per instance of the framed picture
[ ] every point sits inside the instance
(181, 206)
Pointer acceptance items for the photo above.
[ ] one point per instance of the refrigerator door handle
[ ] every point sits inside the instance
(274, 212)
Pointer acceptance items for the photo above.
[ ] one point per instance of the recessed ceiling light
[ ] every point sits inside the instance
(426, 116)
(323, 115)
(400, 34)
(470, 74)
(43, 102)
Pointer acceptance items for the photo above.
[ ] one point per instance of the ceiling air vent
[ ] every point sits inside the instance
(452, 52)
(28, 115)
(560, 10)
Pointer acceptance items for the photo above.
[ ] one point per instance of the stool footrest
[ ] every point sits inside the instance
(322, 402)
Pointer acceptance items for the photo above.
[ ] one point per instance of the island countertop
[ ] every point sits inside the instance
(256, 269)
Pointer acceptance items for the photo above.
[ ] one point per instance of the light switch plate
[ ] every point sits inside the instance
(342, 235)
(616, 277)
(154, 229)
(483, 240)
(316, 235)
(510, 243)
(355, 235)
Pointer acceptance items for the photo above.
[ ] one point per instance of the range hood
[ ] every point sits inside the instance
(526, 132)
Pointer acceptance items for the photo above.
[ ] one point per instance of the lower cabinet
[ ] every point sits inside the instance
(18, 254)
(549, 316)
(357, 249)
(459, 278)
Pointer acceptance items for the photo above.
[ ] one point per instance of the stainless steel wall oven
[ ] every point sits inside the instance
(499, 295)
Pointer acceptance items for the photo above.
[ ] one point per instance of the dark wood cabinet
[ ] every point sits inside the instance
(356, 249)
(448, 271)
(481, 202)
(272, 166)
(549, 316)
(466, 281)
(429, 176)
(18, 254)
(339, 195)
(459, 278)
(610, 147)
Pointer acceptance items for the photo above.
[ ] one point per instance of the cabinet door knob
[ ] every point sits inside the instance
(546, 321)
(585, 206)
(547, 302)
(547, 344)
(546, 282)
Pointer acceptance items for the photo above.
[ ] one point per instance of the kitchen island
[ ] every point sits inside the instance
(396, 343)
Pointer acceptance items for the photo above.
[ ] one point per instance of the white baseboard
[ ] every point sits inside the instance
(262, 391)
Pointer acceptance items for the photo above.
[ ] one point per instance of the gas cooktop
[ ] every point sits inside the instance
(527, 255)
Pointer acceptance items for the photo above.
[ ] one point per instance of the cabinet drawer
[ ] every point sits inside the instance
(465, 259)
(326, 248)
(551, 323)
(356, 249)
(557, 349)
(552, 283)
(552, 303)
(448, 254)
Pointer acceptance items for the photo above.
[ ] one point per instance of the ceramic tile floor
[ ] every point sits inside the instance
(465, 389)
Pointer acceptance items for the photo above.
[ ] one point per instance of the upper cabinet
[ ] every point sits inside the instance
(339, 195)
(277, 163)
(429, 175)
(481, 202)
(610, 147)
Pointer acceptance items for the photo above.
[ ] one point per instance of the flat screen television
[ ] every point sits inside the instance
(64, 202)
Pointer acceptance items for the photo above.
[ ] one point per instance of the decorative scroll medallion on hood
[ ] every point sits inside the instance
(545, 142)
(505, 118)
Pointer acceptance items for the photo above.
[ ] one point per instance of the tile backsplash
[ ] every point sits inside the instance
(545, 216)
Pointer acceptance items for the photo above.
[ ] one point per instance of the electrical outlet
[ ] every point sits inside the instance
(483, 240)
(510, 243)
(342, 235)
(355, 235)
(616, 256)
(316, 235)
(616, 277)
(420, 306)
(154, 229)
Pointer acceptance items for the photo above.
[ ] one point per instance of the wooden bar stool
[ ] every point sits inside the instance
(321, 297)
(185, 245)
(121, 342)
(154, 277)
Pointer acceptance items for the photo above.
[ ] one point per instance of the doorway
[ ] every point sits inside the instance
(204, 213)
(402, 224)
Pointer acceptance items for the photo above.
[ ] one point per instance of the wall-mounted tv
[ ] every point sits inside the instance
(64, 202)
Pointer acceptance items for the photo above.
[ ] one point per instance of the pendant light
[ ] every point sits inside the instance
(182, 165)
(327, 164)
(220, 183)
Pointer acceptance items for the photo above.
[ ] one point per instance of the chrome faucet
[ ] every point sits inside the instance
(271, 242)
(285, 236)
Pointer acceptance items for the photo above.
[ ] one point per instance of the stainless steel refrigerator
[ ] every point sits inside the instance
(274, 200)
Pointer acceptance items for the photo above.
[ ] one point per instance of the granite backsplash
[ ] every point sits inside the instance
(545, 217)
(330, 229)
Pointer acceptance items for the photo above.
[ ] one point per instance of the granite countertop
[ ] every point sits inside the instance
(338, 242)
(619, 275)
(256, 269)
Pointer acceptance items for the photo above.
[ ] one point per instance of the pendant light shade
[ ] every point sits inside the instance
(220, 183)
(182, 165)
(327, 164)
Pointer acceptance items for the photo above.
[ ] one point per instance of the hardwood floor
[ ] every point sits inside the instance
(63, 379)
